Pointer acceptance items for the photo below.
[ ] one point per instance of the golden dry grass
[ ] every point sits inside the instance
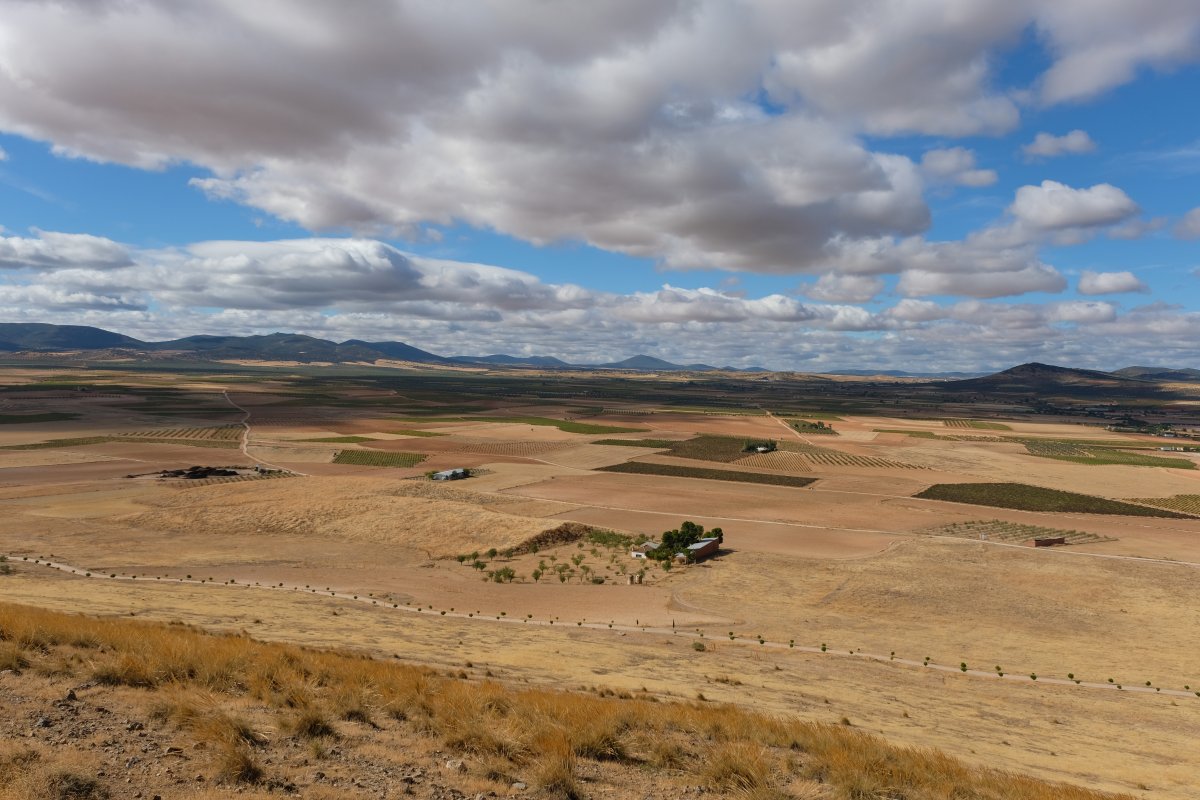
(199, 678)
(403, 513)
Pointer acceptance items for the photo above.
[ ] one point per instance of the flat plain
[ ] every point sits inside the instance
(836, 601)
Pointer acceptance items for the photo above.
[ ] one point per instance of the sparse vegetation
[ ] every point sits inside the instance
(534, 732)
(817, 428)
(1003, 531)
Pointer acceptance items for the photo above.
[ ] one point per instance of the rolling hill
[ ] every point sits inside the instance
(1047, 379)
(1166, 374)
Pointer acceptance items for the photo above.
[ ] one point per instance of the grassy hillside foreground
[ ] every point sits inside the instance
(107, 707)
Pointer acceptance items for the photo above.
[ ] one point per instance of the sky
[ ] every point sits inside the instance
(924, 185)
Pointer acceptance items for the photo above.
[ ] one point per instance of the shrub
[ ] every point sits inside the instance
(699, 647)
(310, 723)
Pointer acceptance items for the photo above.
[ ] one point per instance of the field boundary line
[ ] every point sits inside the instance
(746, 642)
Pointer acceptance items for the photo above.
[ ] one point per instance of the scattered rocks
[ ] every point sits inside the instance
(456, 765)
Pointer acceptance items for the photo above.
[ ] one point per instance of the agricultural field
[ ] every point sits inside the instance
(566, 426)
(824, 456)
(83, 441)
(676, 471)
(976, 424)
(1036, 498)
(25, 419)
(846, 594)
(1184, 503)
(654, 443)
(376, 458)
(1101, 456)
(784, 460)
(226, 433)
(996, 530)
(817, 428)
(341, 439)
(724, 449)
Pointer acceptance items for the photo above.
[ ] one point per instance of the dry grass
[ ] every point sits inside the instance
(412, 514)
(33, 773)
(198, 678)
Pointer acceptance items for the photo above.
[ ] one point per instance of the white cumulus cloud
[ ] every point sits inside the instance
(1189, 226)
(1056, 206)
(956, 165)
(1047, 145)
(1092, 283)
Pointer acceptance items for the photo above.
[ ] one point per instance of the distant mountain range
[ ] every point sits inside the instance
(46, 338)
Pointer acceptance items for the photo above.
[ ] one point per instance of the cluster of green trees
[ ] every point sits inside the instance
(678, 541)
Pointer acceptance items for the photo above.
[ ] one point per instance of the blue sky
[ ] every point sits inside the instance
(945, 184)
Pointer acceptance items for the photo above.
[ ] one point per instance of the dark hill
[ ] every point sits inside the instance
(647, 363)
(516, 361)
(271, 347)
(1047, 379)
(39, 336)
(397, 351)
(1160, 374)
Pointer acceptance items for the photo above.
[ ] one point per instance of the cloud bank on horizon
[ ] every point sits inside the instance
(949, 184)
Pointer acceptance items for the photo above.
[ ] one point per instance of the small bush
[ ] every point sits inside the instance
(554, 768)
(310, 723)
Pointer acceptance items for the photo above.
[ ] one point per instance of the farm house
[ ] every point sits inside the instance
(700, 550)
(450, 474)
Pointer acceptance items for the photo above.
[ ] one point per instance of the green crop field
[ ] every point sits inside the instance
(566, 426)
(83, 441)
(1035, 498)
(1186, 503)
(79, 441)
(415, 432)
(660, 443)
(378, 458)
(47, 416)
(835, 458)
(827, 416)
(995, 530)
(951, 438)
(976, 424)
(231, 433)
(1100, 456)
(723, 449)
(676, 471)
